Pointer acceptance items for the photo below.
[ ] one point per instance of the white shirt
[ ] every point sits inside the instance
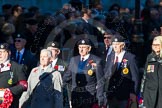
(54, 62)
(85, 57)
(120, 57)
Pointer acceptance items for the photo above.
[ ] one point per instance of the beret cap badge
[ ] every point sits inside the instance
(2, 46)
(53, 44)
(18, 35)
(83, 41)
(115, 39)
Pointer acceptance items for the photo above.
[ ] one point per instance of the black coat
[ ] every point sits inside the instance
(90, 82)
(153, 82)
(15, 87)
(120, 84)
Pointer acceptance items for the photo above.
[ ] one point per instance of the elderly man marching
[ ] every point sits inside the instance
(85, 73)
(45, 85)
(61, 66)
(12, 79)
(121, 73)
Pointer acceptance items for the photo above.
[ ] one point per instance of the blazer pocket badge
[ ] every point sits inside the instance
(125, 71)
(90, 72)
(150, 68)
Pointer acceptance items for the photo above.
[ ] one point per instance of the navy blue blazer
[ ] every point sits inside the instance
(94, 82)
(124, 81)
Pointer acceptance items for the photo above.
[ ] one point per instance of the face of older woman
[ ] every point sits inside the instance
(156, 46)
(44, 59)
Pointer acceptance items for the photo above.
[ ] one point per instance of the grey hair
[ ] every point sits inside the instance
(47, 51)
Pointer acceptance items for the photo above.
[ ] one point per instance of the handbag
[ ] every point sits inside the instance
(27, 103)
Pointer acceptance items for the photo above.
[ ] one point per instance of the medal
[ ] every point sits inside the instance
(125, 71)
(90, 72)
(11, 77)
(10, 81)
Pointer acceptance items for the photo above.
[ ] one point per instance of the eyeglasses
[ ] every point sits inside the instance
(107, 37)
(17, 40)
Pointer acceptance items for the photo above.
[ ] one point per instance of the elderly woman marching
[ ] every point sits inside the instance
(152, 78)
(44, 85)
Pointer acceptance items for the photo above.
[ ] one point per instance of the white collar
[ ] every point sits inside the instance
(22, 51)
(120, 56)
(54, 62)
(85, 57)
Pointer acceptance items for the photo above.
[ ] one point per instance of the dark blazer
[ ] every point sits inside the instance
(93, 83)
(28, 60)
(121, 84)
(15, 87)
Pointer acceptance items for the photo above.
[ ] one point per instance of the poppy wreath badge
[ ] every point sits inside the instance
(125, 69)
(93, 65)
(59, 68)
(6, 98)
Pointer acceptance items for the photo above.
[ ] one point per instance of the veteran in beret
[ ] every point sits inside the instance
(85, 74)
(21, 55)
(12, 79)
(61, 66)
(121, 74)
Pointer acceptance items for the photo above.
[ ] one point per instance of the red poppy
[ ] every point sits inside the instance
(35, 70)
(90, 62)
(56, 67)
(9, 64)
(125, 60)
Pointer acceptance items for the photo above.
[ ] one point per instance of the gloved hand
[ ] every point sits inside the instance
(140, 102)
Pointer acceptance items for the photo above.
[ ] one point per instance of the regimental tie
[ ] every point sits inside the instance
(82, 59)
(116, 62)
(18, 57)
(107, 51)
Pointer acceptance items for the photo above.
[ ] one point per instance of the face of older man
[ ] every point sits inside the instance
(3, 55)
(55, 52)
(118, 46)
(44, 59)
(107, 39)
(84, 49)
(20, 43)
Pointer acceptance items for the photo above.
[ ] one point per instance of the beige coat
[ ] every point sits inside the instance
(52, 95)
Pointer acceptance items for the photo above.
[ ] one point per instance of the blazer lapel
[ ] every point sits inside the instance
(76, 62)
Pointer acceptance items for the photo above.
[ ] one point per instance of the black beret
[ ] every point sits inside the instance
(118, 38)
(18, 35)
(4, 46)
(31, 22)
(84, 42)
(53, 44)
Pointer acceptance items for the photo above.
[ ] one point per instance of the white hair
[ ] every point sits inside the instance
(49, 53)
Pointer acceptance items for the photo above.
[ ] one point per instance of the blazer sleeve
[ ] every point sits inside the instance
(67, 77)
(24, 99)
(100, 81)
(21, 83)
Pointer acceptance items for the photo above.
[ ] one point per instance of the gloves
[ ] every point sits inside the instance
(140, 102)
